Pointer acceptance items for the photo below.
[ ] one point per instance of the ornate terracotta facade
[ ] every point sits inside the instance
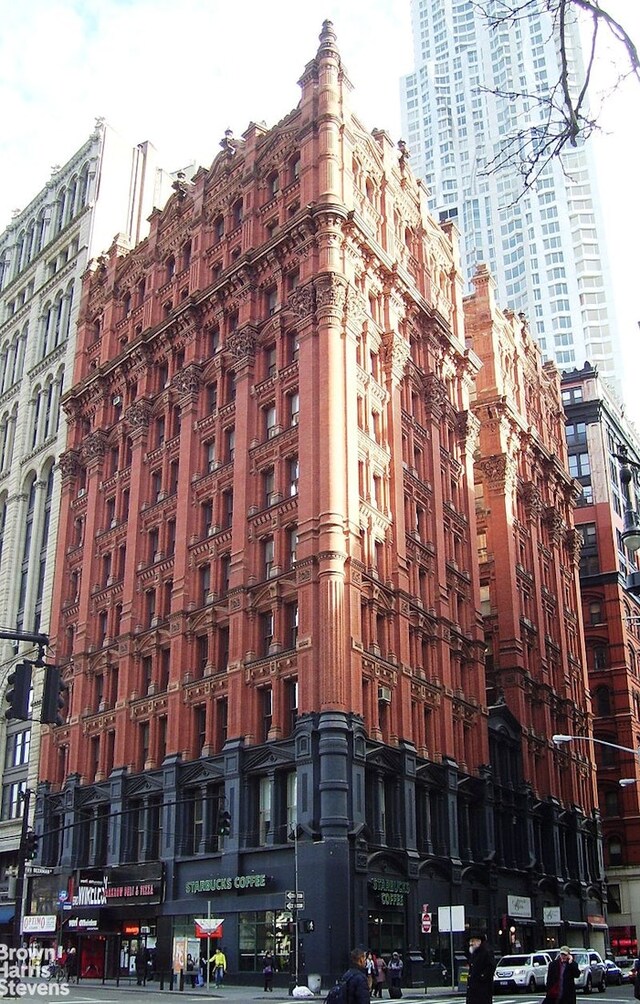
(268, 594)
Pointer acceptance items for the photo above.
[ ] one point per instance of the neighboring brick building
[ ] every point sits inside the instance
(269, 599)
(106, 186)
(536, 667)
(596, 430)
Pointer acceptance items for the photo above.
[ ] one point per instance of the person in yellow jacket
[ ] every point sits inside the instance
(219, 961)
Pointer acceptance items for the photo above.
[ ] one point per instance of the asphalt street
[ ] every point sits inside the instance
(98, 993)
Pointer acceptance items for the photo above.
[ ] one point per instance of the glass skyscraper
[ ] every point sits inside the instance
(543, 245)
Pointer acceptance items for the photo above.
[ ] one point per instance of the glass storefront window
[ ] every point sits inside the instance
(264, 931)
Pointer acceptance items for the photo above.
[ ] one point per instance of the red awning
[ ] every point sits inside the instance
(209, 927)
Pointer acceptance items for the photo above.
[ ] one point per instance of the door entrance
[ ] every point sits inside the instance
(387, 932)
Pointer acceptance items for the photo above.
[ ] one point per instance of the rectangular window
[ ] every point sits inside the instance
(268, 553)
(293, 475)
(294, 408)
(266, 698)
(12, 799)
(264, 809)
(268, 485)
(266, 633)
(270, 421)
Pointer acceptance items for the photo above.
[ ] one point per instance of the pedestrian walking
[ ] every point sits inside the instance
(379, 976)
(394, 970)
(370, 969)
(219, 966)
(481, 969)
(355, 979)
(268, 971)
(561, 977)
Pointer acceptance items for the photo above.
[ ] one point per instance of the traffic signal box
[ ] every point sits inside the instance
(54, 697)
(224, 823)
(18, 692)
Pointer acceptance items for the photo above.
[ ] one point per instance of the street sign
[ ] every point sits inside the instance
(426, 923)
(293, 900)
(37, 870)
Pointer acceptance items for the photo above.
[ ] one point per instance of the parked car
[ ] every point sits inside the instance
(613, 974)
(521, 972)
(592, 970)
(627, 967)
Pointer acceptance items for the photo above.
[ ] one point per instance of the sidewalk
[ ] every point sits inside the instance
(232, 991)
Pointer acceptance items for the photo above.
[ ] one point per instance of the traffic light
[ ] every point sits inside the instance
(308, 926)
(18, 692)
(224, 823)
(31, 845)
(53, 697)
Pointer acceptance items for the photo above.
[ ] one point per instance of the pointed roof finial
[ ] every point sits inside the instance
(328, 40)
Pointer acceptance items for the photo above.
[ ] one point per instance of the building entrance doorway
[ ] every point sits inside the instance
(386, 932)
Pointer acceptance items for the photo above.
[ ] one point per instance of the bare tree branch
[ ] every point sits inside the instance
(566, 115)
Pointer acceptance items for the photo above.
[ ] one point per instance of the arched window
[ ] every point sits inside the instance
(68, 306)
(36, 403)
(273, 185)
(41, 230)
(30, 491)
(19, 253)
(58, 311)
(30, 242)
(294, 168)
(633, 667)
(170, 268)
(237, 213)
(83, 193)
(603, 701)
(60, 203)
(614, 850)
(3, 521)
(186, 254)
(70, 208)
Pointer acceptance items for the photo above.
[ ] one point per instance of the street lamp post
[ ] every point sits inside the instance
(559, 739)
(630, 519)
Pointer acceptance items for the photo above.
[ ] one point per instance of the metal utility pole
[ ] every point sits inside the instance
(22, 864)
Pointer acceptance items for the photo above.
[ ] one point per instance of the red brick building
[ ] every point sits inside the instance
(268, 598)
(529, 551)
(596, 433)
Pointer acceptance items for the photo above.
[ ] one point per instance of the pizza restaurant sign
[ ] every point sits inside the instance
(117, 887)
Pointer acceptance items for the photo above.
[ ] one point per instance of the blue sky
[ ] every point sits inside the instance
(180, 74)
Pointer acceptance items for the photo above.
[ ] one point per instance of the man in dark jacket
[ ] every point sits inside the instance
(561, 976)
(481, 969)
(356, 979)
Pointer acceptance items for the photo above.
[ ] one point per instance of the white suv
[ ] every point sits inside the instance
(522, 972)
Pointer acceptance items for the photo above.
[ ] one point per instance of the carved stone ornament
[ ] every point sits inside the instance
(356, 308)
(302, 300)
(242, 344)
(138, 414)
(69, 463)
(499, 471)
(331, 292)
(188, 380)
(435, 395)
(554, 523)
(574, 543)
(532, 500)
(94, 446)
(397, 352)
(468, 430)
